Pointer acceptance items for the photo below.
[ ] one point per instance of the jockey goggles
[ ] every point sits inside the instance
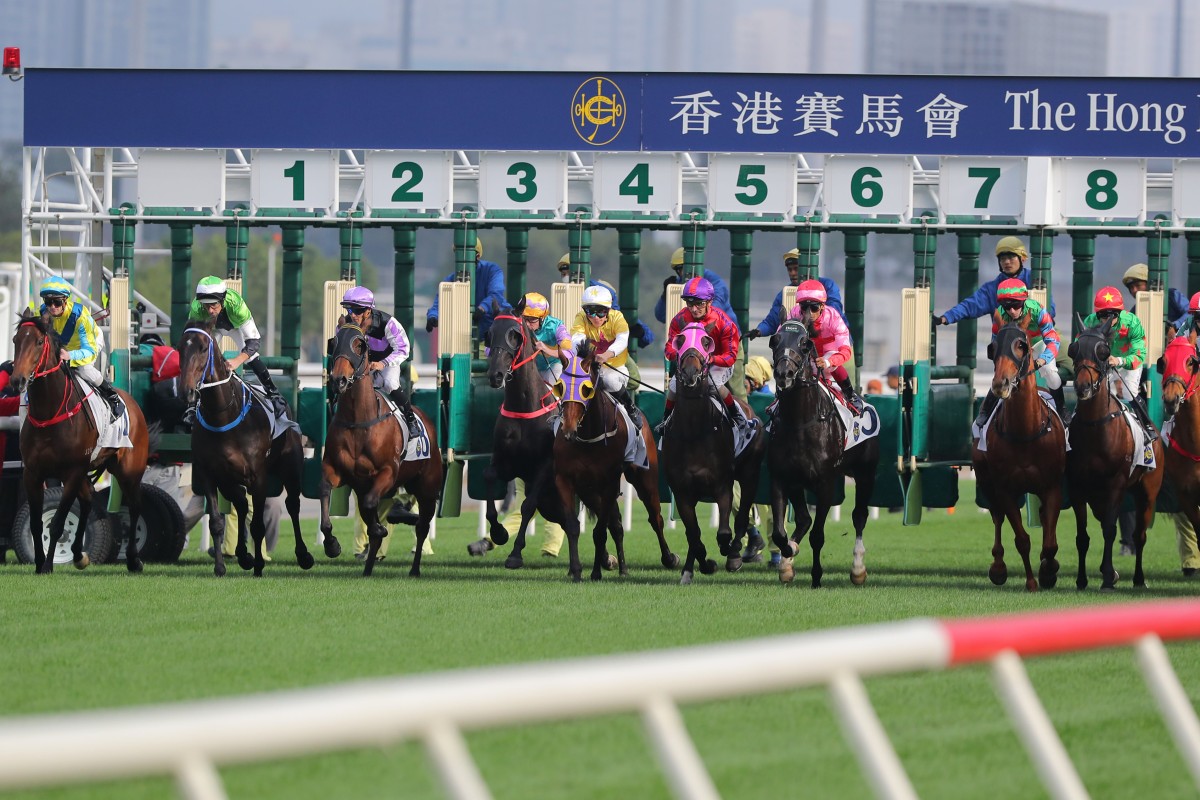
(354, 309)
(1011, 305)
(811, 306)
(54, 301)
(694, 301)
(595, 311)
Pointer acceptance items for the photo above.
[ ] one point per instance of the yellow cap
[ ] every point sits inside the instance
(565, 260)
(790, 254)
(677, 258)
(1138, 272)
(1011, 244)
(758, 369)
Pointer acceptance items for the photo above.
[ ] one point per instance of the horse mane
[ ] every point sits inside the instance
(41, 322)
(207, 324)
(586, 350)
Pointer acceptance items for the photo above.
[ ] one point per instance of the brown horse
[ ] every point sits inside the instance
(1098, 466)
(233, 451)
(1026, 454)
(365, 447)
(1180, 367)
(589, 460)
(58, 440)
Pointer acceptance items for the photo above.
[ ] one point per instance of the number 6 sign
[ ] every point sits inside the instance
(869, 185)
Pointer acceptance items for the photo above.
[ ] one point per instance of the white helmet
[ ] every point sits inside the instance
(596, 296)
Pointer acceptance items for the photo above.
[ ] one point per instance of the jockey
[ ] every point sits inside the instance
(388, 344)
(600, 323)
(1127, 345)
(553, 341)
(638, 330)
(1010, 257)
(215, 300)
(698, 294)
(771, 322)
(1137, 279)
(831, 337)
(79, 339)
(1015, 303)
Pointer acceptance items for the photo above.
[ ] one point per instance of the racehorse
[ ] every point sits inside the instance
(58, 440)
(365, 448)
(1098, 466)
(1026, 453)
(698, 456)
(807, 454)
(1179, 366)
(523, 441)
(233, 451)
(589, 460)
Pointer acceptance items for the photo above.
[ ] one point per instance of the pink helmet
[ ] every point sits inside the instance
(359, 296)
(699, 289)
(811, 290)
(1194, 305)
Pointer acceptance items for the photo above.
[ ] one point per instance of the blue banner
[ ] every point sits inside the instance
(674, 112)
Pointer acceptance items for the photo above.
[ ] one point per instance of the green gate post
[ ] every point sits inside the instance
(808, 242)
(694, 242)
(350, 239)
(237, 242)
(579, 244)
(182, 238)
(968, 282)
(629, 242)
(741, 244)
(1193, 262)
(925, 243)
(1158, 253)
(404, 261)
(516, 240)
(855, 245)
(1083, 255)
(293, 266)
(1041, 248)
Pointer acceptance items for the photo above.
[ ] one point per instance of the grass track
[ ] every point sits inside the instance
(102, 638)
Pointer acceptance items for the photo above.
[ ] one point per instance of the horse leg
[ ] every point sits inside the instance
(779, 506)
(566, 495)
(617, 531)
(329, 481)
(71, 489)
(1051, 506)
(731, 549)
(216, 524)
(998, 571)
(1082, 541)
(817, 539)
(294, 460)
(645, 483)
(368, 509)
(78, 557)
(495, 529)
(1021, 537)
(1108, 517)
(35, 495)
(864, 485)
(1145, 516)
(258, 528)
(600, 539)
(237, 499)
(426, 492)
(686, 507)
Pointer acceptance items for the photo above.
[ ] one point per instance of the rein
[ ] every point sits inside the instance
(514, 365)
(210, 368)
(360, 367)
(63, 412)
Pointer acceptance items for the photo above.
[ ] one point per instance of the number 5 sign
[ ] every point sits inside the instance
(869, 185)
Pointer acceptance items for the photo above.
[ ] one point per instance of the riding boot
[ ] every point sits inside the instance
(738, 416)
(851, 397)
(268, 385)
(1139, 409)
(109, 393)
(1060, 403)
(624, 398)
(661, 427)
(986, 409)
(400, 396)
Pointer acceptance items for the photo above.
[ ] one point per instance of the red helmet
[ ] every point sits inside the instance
(1109, 299)
(1012, 289)
(811, 290)
(1194, 305)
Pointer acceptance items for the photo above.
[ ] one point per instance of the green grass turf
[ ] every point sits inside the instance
(102, 638)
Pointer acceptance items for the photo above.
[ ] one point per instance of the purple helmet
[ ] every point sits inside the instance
(698, 288)
(359, 296)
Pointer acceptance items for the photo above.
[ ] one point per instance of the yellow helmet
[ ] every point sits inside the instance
(1011, 244)
(1138, 272)
(794, 253)
(536, 305)
(565, 261)
(677, 258)
(758, 369)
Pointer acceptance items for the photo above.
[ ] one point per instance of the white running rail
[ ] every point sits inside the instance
(190, 740)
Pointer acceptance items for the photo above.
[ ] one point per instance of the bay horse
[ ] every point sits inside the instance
(523, 441)
(589, 460)
(807, 454)
(233, 451)
(365, 448)
(58, 440)
(698, 456)
(1179, 366)
(1026, 453)
(1098, 466)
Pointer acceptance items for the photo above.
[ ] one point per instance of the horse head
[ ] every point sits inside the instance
(576, 389)
(694, 346)
(1090, 354)
(1011, 353)
(199, 357)
(35, 349)
(1179, 366)
(506, 342)
(349, 358)
(793, 354)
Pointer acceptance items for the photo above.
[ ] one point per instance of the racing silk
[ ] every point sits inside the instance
(77, 332)
(235, 316)
(489, 286)
(720, 296)
(724, 333)
(774, 317)
(386, 338)
(612, 336)
(554, 334)
(829, 334)
(984, 300)
(1129, 344)
(1041, 327)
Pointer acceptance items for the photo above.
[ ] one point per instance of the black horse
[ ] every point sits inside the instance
(807, 453)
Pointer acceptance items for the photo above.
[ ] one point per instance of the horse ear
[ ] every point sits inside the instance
(708, 343)
(991, 351)
(1079, 319)
(1161, 364)
(1073, 350)
(519, 308)
(773, 342)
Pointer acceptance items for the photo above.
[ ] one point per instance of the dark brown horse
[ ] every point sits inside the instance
(807, 454)
(698, 456)
(589, 460)
(1180, 367)
(365, 447)
(1026, 454)
(523, 442)
(1099, 464)
(58, 440)
(233, 452)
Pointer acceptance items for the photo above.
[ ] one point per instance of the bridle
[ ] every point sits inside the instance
(799, 356)
(358, 363)
(45, 356)
(515, 362)
(210, 368)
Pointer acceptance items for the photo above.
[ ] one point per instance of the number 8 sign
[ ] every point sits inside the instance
(1101, 187)
(869, 185)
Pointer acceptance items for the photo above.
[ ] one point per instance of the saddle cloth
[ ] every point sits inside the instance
(980, 433)
(1143, 451)
(416, 448)
(741, 436)
(280, 424)
(110, 431)
(858, 429)
(635, 445)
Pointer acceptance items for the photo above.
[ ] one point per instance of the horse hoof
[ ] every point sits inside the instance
(670, 561)
(333, 548)
(514, 562)
(685, 578)
(134, 565)
(305, 560)
(998, 574)
(787, 572)
(1081, 584)
(499, 536)
(708, 567)
(611, 563)
(83, 562)
(219, 570)
(245, 561)
(795, 546)
(1031, 585)
(858, 577)
(479, 547)
(733, 563)
(415, 572)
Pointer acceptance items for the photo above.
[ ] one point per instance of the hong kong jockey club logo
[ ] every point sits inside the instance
(598, 111)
